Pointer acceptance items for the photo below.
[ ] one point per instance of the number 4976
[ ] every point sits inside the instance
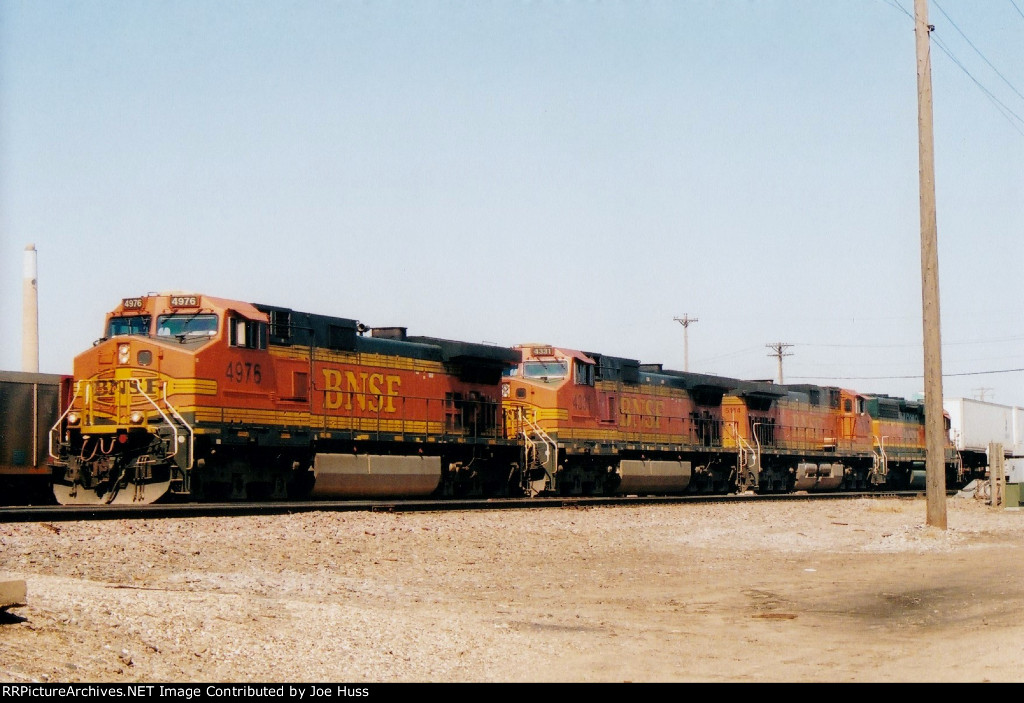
(243, 372)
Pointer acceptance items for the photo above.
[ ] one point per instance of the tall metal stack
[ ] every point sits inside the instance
(30, 314)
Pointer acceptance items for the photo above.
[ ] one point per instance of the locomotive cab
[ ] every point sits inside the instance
(128, 434)
(546, 397)
(596, 424)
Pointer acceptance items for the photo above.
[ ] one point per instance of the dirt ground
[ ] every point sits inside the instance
(836, 591)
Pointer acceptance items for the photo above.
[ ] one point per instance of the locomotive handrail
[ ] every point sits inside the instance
(881, 457)
(745, 450)
(548, 442)
(191, 432)
(757, 457)
(177, 415)
(56, 425)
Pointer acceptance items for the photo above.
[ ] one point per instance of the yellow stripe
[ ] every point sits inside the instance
(191, 386)
(618, 437)
(274, 418)
(385, 361)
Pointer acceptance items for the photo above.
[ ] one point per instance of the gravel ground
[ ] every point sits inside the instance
(838, 590)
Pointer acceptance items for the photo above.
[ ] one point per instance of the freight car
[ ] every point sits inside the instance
(200, 397)
(30, 404)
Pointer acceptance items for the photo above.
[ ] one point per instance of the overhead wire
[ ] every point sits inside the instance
(914, 344)
(977, 50)
(1000, 106)
(912, 376)
(1008, 113)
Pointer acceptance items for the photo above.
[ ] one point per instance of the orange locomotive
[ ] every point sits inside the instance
(210, 398)
(598, 424)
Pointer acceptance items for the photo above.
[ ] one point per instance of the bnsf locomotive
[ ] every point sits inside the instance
(205, 398)
(216, 399)
(596, 424)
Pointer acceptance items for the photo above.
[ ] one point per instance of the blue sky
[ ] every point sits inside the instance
(573, 173)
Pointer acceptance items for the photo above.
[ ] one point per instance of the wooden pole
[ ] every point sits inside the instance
(780, 351)
(935, 461)
(996, 469)
(686, 321)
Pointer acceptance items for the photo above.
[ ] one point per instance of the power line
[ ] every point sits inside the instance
(893, 3)
(897, 378)
(1003, 109)
(971, 44)
(913, 345)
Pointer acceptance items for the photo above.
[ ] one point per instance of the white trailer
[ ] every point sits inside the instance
(974, 424)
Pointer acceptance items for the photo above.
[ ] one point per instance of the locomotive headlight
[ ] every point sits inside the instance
(73, 419)
(122, 354)
(506, 390)
(136, 418)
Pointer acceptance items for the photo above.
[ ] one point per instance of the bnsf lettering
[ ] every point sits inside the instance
(107, 387)
(372, 391)
(637, 412)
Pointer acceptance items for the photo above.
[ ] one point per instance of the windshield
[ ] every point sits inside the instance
(186, 325)
(135, 324)
(545, 369)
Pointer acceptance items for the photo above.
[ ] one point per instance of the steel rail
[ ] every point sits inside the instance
(67, 513)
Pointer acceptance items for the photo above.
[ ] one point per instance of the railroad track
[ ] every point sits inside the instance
(65, 513)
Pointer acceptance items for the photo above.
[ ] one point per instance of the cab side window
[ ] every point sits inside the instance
(583, 373)
(248, 334)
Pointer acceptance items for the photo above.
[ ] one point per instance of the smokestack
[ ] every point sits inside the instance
(30, 314)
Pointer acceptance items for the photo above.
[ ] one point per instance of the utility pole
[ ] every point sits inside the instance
(686, 321)
(780, 351)
(934, 428)
(981, 393)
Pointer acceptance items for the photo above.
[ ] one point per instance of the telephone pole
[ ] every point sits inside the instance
(934, 428)
(780, 351)
(981, 393)
(686, 321)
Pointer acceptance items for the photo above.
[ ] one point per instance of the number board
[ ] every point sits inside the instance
(184, 301)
